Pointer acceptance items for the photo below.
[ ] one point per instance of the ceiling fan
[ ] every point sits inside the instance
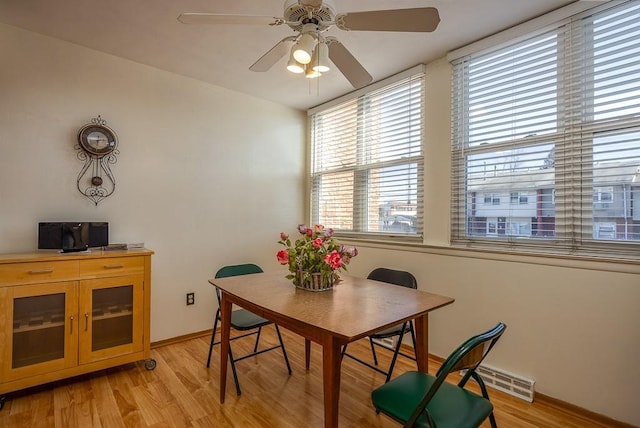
(309, 49)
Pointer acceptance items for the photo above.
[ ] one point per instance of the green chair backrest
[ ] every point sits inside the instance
(467, 356)
(235, 270)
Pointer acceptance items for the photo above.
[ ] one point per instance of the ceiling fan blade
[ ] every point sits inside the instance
(420, 19)
(274, 54)
(217, 18)
(347, 64)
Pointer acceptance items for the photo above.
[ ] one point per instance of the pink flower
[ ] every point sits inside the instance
(283, 257)
(283, 236)
(317, 243)
(334, 260)
(318, 228)
(309, 232)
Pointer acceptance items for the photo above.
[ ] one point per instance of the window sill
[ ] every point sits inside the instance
(623, 265)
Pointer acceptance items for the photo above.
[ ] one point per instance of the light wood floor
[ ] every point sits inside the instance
(182, 392)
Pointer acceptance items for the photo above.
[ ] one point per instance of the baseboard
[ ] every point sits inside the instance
(179, 339)
(568, 407)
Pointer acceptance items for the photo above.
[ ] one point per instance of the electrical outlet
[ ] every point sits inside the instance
(191, 298)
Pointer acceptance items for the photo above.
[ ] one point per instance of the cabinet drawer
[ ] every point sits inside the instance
(111, 266)
(34, 272)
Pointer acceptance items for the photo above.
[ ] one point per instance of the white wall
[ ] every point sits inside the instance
(572, 326)
(205, 176)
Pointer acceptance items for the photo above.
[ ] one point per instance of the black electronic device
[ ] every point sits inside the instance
(98, 234)
(72, 236)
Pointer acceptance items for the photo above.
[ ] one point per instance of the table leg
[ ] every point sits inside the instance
(307, 353)
(422, 342)
(331, 352)
(225, 333)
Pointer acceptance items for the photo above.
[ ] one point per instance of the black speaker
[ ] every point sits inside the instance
(98, 234)
(49, 236)
(72, 236)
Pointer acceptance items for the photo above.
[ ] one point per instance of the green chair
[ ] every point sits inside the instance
(403, 279)
(418, 399)
(243, 320)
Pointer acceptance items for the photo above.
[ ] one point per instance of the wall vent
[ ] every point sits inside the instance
(506, 382)
(388, 342)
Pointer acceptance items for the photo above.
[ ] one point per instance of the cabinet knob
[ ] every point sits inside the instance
(70, 324)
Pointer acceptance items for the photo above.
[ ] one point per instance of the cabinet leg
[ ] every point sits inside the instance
(150, 364)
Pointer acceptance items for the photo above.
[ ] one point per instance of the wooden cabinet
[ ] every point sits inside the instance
(62, 315)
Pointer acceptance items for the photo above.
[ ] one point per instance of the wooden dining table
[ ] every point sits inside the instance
(353, 309)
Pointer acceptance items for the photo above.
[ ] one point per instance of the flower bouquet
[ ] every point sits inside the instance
(315, 258)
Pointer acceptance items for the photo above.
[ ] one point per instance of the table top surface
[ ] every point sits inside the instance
(354, 307)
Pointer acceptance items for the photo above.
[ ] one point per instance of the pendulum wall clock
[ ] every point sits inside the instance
(98, 148)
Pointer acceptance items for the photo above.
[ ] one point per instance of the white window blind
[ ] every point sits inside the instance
(367, 161)
(546, 138)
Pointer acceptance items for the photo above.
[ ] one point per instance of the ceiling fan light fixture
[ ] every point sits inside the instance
(320, 58)
(303, 49)
(310, 73)
(294, 66)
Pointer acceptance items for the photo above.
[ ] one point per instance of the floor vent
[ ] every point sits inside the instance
(511, 384)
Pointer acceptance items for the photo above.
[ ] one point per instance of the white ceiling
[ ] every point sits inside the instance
(147, 31)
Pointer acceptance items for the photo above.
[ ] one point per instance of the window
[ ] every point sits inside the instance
(604, 195)
(491, 199)
(553, 120)
(517, 228)
(518, 198)
(367, 161)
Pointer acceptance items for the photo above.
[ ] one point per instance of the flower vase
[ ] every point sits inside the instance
(314, 281)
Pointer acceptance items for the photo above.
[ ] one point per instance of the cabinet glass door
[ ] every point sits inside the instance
(112, 317)
(111, 314)
(43, 335)
(38, 329)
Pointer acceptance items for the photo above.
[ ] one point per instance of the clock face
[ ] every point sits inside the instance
(97, 140)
